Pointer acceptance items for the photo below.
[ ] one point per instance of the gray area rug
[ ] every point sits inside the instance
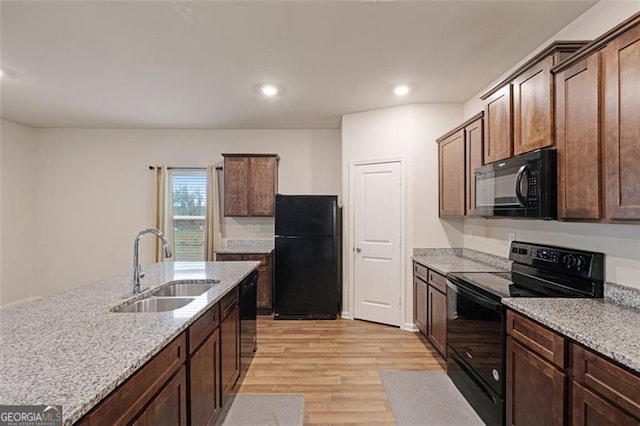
(426, 398)
(271, 410)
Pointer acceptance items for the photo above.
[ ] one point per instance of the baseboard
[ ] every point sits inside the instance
(346, 315)
(409, 327)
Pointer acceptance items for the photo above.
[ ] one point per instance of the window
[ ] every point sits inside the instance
(189, 200)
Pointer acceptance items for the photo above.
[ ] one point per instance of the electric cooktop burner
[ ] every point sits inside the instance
(539, 271)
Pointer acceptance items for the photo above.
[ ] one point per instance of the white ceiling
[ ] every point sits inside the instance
(181, 64)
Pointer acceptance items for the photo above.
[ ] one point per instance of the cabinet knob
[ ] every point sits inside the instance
(358, 249)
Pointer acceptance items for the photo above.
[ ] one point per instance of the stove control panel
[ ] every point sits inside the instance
(567, 261)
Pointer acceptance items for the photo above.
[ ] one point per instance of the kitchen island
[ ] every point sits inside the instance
(71, 349)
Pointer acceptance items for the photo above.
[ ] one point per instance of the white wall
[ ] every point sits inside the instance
(95, 191)
(620, 243)
(17, 212)
(409, 133)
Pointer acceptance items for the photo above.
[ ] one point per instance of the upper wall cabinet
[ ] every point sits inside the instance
(598, 128)
(621, 124)
(519, 110)
(250, 184)
(460, 152)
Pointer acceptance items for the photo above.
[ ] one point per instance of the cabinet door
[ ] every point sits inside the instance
(588, 409)
(437, 319)
(578, 140)
(262, 185)
(533, 108)
(230, 351)
(498, 126)
(535, 389)
(621, 121)
(205, 381)
(169, 407)
(236, 186)
(452, 175)
(474, 140)
(420, 304)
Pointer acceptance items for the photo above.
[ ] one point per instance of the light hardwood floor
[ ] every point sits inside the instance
(335, 365)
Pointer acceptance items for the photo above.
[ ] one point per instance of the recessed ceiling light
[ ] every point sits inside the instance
(401, 90)
(269, 90)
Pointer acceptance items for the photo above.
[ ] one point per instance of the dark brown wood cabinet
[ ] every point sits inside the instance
(205, 384)
(552, 380)
(460, 153)
(437, 319)
(265, 276)
(186, 381)
(578, 101)
(420, 304)
(169, 407)
(536, 389)
(533, 108)
(430, 306)
(621, 124)
(452, 175)
(129, 400)
(229, 343)
(250, 184)
(519, 111)
(474, 145)
(498, 133)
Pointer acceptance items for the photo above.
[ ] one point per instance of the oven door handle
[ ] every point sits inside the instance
(519, 177)
(476, 297)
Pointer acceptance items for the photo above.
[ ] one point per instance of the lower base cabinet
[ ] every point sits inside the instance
(545, 369)
(437, 323)
(229, 343)
(187, 382)
(205, 381)
(169, 407)
(532, 383)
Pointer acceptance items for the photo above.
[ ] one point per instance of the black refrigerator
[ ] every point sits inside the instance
(307, 271)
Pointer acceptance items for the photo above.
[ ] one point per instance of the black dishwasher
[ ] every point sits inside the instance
(248, 336)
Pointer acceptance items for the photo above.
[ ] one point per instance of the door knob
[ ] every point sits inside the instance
(358, 249)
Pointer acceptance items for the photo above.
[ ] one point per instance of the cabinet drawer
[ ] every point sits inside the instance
(126, 401)
(264, 259)
(605, 378)
(228, 257)
(420, 271)
(228, 302)
(438, 281)
(543, 341)
(200, 330)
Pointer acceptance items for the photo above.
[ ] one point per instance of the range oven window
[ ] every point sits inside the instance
(475, 332)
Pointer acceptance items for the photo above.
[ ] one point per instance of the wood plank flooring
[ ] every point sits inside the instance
(335, 365)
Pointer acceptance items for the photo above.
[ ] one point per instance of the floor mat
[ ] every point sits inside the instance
(271, 410)
(426, 398)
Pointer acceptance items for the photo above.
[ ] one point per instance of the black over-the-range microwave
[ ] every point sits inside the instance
(524, 186)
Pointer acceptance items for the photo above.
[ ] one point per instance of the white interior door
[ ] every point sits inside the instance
(377, 216)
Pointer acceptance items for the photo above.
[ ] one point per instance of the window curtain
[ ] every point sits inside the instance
(213, 233)
(164, 209)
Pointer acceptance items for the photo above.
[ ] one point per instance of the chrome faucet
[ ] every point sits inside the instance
(137, 272)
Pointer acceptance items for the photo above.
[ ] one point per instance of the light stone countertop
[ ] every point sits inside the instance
(444, 263)
(70, 349)
(257, 246)
(611, 329)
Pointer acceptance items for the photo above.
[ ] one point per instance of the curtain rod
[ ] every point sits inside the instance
(185, 168)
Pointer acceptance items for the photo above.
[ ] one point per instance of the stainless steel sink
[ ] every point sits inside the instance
(183, 290)
(157, 304)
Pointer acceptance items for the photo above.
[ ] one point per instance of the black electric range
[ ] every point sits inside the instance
(476, 318)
